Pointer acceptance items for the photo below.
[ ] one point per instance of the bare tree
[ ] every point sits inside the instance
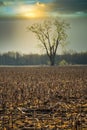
(51, 33)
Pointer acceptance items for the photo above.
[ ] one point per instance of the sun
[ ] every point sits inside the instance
(30, 15)
(35, 13)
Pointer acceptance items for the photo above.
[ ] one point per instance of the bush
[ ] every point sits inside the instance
(63, 63)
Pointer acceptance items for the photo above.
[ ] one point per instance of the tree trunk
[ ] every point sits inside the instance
(52, 60)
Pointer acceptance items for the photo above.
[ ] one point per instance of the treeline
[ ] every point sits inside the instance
(15, 58)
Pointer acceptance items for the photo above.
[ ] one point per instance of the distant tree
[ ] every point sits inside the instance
(51, 33)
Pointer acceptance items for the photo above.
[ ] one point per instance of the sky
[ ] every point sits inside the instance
(16, 15)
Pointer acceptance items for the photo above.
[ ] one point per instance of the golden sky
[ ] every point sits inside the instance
(32, 11)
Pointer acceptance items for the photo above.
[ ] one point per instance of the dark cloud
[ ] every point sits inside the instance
(70, 5)
(1, 3)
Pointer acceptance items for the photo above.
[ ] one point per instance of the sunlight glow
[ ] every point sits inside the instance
(32, 11)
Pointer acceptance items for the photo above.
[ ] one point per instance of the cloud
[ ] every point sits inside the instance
(1, 3)
(16, 2)
(24, 10)
(70, 6)
(12, 8)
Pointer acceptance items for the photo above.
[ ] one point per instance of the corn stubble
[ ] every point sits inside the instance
(43, 98)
